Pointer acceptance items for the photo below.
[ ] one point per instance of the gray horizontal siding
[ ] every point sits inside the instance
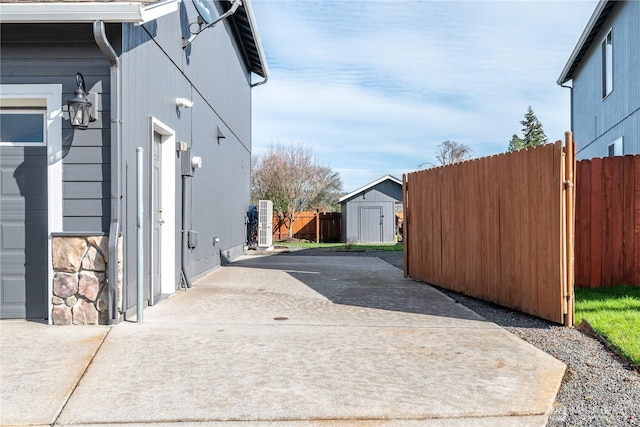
(88, 207)
(88, 155)
(86, 190)
(85, 173)
(54, 53)
(85, 223)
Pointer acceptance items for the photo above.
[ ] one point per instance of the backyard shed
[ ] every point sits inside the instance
(368, 213)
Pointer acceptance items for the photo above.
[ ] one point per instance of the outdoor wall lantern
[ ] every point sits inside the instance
(80, 107)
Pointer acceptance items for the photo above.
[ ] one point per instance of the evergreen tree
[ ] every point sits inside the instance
(533, 134)
(516, 143)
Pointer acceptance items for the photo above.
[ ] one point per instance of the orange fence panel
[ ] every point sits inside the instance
(306, 227)
(497, 228)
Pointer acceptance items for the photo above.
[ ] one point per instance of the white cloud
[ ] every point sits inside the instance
(375, 86)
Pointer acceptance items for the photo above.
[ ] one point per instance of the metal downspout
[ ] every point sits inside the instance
(571, 100)
(100, 37)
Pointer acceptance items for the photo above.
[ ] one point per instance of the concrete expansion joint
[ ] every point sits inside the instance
(76, 383)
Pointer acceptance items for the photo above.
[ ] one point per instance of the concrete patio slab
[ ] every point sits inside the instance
(40, 366)
(310, 341)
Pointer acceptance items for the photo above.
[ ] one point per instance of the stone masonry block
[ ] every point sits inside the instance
(89, 285)
(85, 313)
(65, 284)
(61, 315)
(93, 260)
(68, 253)
(100, 242)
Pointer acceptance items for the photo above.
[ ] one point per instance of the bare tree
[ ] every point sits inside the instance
(450, 152)
(292, 179)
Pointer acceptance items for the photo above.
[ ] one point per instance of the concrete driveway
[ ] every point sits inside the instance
(282, 341)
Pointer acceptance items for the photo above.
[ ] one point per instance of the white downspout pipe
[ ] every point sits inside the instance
(100, 37)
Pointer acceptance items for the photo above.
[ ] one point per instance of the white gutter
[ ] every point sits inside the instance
(68, 12)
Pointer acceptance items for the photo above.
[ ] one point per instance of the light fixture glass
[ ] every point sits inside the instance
(79, 106)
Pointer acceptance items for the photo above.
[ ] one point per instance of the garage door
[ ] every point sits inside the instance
(23, 218)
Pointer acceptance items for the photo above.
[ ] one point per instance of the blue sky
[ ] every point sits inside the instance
(374, 86)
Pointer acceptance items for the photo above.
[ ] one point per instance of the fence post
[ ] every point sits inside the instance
(405, 226)
(570, 194)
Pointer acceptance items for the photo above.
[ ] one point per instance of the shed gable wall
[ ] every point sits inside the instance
(355, 223)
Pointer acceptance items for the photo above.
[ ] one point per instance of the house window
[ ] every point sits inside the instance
(607, 65)
(22, 127)
(615, 148)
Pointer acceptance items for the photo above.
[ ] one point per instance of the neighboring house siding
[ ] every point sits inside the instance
(43, 53)
(597, 122)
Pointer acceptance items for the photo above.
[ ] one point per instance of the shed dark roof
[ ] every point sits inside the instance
(598, 19)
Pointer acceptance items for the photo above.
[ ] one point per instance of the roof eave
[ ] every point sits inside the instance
(567, 74)
(255, 34)
(69, 12)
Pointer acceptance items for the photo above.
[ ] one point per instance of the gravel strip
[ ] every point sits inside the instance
(599, 388)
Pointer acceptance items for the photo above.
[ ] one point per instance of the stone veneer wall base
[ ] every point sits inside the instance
(80, 283)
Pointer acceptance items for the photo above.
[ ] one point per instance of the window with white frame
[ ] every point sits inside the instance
(22, 126)
(607, 65)
(615, 148)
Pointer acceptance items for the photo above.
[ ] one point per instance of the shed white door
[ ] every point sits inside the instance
(370, 225)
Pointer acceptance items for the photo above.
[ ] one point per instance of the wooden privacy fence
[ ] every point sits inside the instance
(497, 228)
(307, 227)
(608, 222)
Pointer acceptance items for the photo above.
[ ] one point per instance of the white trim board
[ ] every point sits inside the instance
(51, 95)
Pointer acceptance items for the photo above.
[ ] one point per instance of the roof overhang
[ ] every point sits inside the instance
(597, 20)
(244, 23)
(368, 186)
(70, 12)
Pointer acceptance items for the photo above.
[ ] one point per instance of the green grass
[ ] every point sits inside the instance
(341, 246)
(614, 313)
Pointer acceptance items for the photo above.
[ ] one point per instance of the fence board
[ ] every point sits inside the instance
(596, 223)
(608, 222)
(628, 213)
(636, 245)
(304, 227)
(583, 222)
(492, 228)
